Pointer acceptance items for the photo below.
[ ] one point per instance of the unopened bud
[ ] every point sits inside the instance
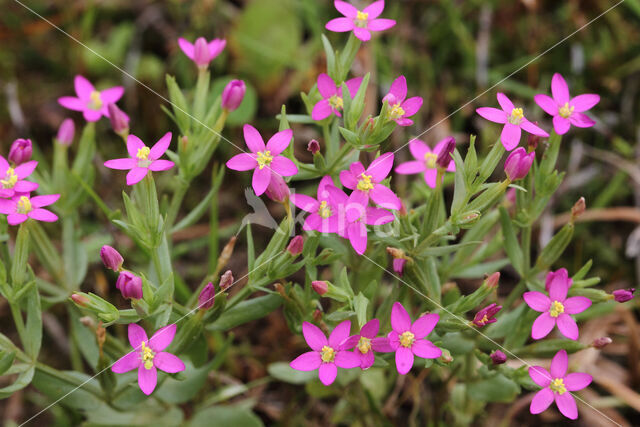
(226, 280)
(119, 120)
(206, 297)
(80, 300)
(233, 94)
(532, 141)
(320, 286)
(130, 285)
(623, 295)
(296, 245)
(492, 280)
(498, 357)
(398, 265)
(579, 208)
(518, 163)
(313, 146)
(601, 342)
(444, 156)
(446, 356)
(111, 258)
(317, 315)
(20, 151)
(66, 132)
(277, 190)
(226, 253)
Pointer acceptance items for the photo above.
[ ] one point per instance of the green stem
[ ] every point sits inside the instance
(213, 226)
(19, 322)
(347, 56)
(515, 293)
(344, 152)
(176, 201)
(202, 90)
(46, 252)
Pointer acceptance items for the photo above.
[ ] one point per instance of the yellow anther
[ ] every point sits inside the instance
(396, 112)
(24, 205)
(516, 116)
(10, 179)
(147, 356)
(362, 16)
(264, 158)
(558, 386)
(327, 354)
(556, 309)
(336, 102)
(143, 153)
(365, 184)
(324, 211)
(566, 111)
(430, 160)
(364, 345)
(406, 339)
(96, 101)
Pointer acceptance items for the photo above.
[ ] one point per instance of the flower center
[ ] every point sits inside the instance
(324, 211)
(430, 160)
(396, 112)
(336, 102)
(96, 102)
(147, 355)
(143, 157)
(483, 321)
(264, 158)
(10, 179)
(24, 205)
(364, 345)
(361, 19)
(407, 339)
(327, 354)
(558, 386)
(556, 309)
(566, 111)
(365, 184)
(516, 116)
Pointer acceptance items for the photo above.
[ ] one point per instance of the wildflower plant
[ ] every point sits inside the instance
(347, 271)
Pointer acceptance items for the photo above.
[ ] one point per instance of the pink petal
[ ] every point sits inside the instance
(24, 187)
(25, 169)
(7, 206)
(558, 290)
(186, 47)
(309, 361)
(430, 177)
(424, 325)
(357, 205)
(540, 376)
(260, 180)
(418, 149)
(216, 46)
(326, 86)
(568, 326)
(136, 335)
(577, 381)
(380, 167)
(126, 363)
(559, 364)
(404, 360)
(346, 9)
(347, 359)
(357, 232)
(242, 162)
(537, 301)
(121, 164)
(492, 114)
(412, 105)
(377, 216)
(112, 95)
(340, 25)
(91, 115)
(348, 179)
(399, 89)
(43, 215)
(313, 222)
(559, 89)
(4, 165)
(167, 362)
(575, 305)
(133, 145)
(147, 379)
(400, 320)
(533, 129)
(327, 373)
(323, 194)
(380, 24)
(381, 345)
(339, 334)
(321, 110)
(46, 200)
(541, 401)
(283, 166)
(361, 33)
(72, 103)
(370, 329)
(408, 168)
(542, 326)
(510, 136)
(278, 142)
(426, 349)
(366, 360)
(401, 121)
(547, 104)
(136, 175)
(161, 165)
(160, 147)
(374, 9)
(83, 87)
(253, 139)
(163, 337)
(349, 343)
(313, 336)
(505, 102)
(567, 405)
(384, 197)
(581, 120)
(584, 102)
(353, 85)
(304, 202)
(561, 125)
(15, 218)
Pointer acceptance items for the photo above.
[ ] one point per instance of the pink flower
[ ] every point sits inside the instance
(486, 315)
(332, 102)
(513, 120)
(408, 339)
(366, 183)
(91, 102)
(12, 179)
(324, 211)
(111, 258)
(233, 94)
(561, 275)
(20, 151)
(207, 297)
(425, 161)
(277, 190)
(399, 107)
(623, 295)
(566, 111)
(23, 207)
(518, 163)
(264, 159)
(66, 132)
(556, 309)
(360, 22)
(143, 159)
(368, 343)
(398, 265)
(557, 385)
(129, 285)
(202, 52)
(148, 356)
(327, 355)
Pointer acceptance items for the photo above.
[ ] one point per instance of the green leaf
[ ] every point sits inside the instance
(360, 303)
(23, 380)
(179, 105)
(357, 106)
(246, 311)
(512, 247)
(496, 389)
(330, 56)
(285, 373)
(6, 360)
(225, 416)
(34, 324)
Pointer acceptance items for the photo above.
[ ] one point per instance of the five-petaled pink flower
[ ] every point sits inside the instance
(202, 52)
(148, 356)
(513, 120)
(12, 178)
(360, 22)
(91, 102)
(401, 108)
(22, 207)
(425, 161)
(556, 309)
(366, 183)
(143, 159)
(332, 101)
(566, 111)
(557, 385)
(327, 355)
(408, 339)
(368, 342)
(264, 159)
(324, 211)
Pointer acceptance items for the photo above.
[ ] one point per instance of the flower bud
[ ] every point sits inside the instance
(111, 258)
(601, 342)
(80, 300)
(313, 146)
(295, 245)
(201, 54)
(398, 265)
(87, 321)
(206, 297)
(498, 357)
(320, 286)
(226, 253)
(119, 120)
(233, 94)
(623, 295)
(532, 141)
(445, 357)
(277, 190)
(226, 280)
(20, 151)
(129, 285)
(317, 315)
(518, 163)
(578, 208)
(66, 132)
(444, 156)
(492, 280)
(486, 315)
